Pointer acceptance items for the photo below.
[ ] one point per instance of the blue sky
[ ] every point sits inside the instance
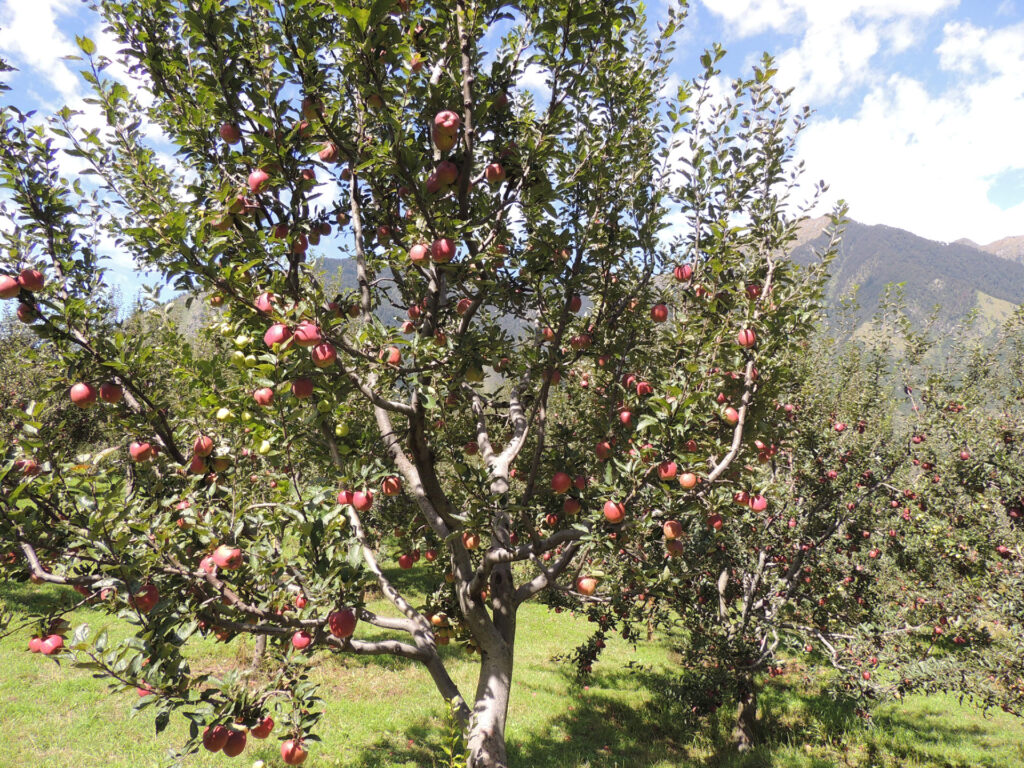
(919, 104)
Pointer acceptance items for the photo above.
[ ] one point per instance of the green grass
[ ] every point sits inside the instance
(382, 713)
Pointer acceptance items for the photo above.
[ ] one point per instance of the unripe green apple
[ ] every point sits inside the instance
(264, 448)
(323, 406)
(226, 329)
(242, 341)
(251, 361)
(246, 415)
(223, 414)
(341, 430)
(238, 358)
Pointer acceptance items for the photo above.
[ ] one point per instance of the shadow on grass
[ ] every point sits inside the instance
(28, 598)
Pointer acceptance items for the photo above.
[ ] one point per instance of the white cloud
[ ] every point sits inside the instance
(925, 162)
(30, 37)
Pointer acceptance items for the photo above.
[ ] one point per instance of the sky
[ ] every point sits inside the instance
(918, 104)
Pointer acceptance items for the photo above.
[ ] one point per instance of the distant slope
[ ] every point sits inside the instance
(954, 276)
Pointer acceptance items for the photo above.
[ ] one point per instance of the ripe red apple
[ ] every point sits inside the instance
(227, 557)
(51, 644)
(231, 133)
(146, 599)
(405, 561)
(672, 529)
(111, 392)
(570, 506)
(715, 521)
(362, 500)
(31, 280)
(342, 623)
(323, 355)
(470, 540)
(391, 355)
(207, 565)
(964, 455)
(257, 180)
(83, 395)
(586, 585)
(265, 303)
(235, 744)
(35, 644)
(746, 338)
(603, 450)
(659, 313)
(667, 470)
(430, 555)
(301, 640)
(839, 426)
(293, 752)
(307, 334)
(278, 333)
(197, 466)
(344, 497)
(447, 122)
(203, 446)
(391, 486)
(418, 253)
(262, 729)
(560, 482)
(683, 272)
(140, 451)
(688, 480)
(302, 387)
(494, 173)
(463, 306)
(731, 415)
(27, 313)
(644, 389)
(263, 396)
(613, 512)
(447, 172)
(443, 250)
(758, 503)
(625, 417)
(575, 303)
(215, 737)
(9, 287)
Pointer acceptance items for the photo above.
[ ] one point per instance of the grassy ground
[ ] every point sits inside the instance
(386, 714)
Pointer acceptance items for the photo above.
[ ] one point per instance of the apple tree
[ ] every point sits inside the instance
(488, 401)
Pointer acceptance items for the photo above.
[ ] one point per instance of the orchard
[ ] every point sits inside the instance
(577, 365)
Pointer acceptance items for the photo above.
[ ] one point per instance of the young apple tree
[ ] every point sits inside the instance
(489, 401)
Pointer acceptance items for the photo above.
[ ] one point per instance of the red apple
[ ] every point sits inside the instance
(391, 486)
(659, 313)
(9, 287)
(391, 355)
(575, 303)
(613, 512)
(307, 334)
(301, 640)
(35, 644)
(51, 644)
(362, 500)
(463, 306)
(494, 173)
(215, 737)
(447, 122)
(257, 180)
(570, 506)
(342, 623)
(31, 280)
(230, 133)
(262, 729)
(227, 557)
(644, 389)
(83, 395)
(625, 417)
(302, 387)
(207, 565)
(586, 585)
(731, 415)
(683, 272)
(758, 503)
(667, 470)
(263, 396)
(278, 333)
(111, 392)
(323, 355)
(293, 752)
(447, 172)
(265, 303)
(603, 450)
(140, 451)
(235, 744)
(419, 253)
(146, 599)
(405, 561)
(443, 250)
(672, 529)
(746, 338)
(203, 446)
(560, 482)
(715, 521)
(344, 497)
(470, 540)
(27, 313)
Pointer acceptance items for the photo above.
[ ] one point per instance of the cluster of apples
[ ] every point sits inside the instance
(29, 280)
(231, 741)
(341, 624)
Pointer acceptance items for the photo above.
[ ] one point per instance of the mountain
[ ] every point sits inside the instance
(957, 277)
(1007, 248)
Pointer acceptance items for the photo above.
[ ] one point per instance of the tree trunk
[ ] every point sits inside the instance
(745, 733)
(487, 728)
(259, 651)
